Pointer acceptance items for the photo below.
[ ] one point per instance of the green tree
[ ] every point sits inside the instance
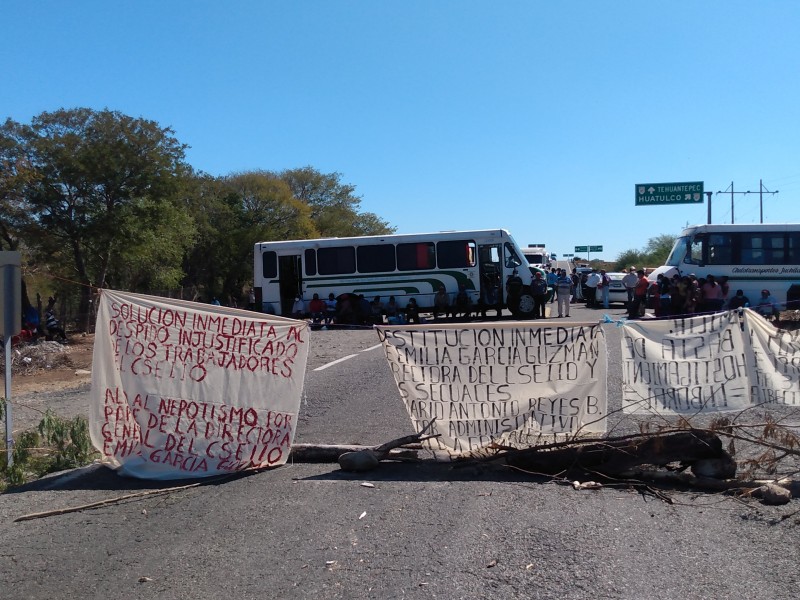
(16, 173)
(654, 254)
(334, 205)
(658, 249)
(234, 213)
(104, 190)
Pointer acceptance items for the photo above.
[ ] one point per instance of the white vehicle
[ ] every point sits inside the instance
(404, 266)
(753, 257)
(537, 256)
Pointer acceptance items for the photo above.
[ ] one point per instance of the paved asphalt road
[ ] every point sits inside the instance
(423, 531)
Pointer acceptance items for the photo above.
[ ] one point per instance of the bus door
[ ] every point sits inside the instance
(491, 274)
(290, 281)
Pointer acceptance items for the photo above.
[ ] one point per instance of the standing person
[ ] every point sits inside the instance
(540, 291)
(603, 286)
(639, 295)
(564, 289)
(577, 286)
(592, 281)
(514, 287)
(713, 296)
(629, 281)
(726, 289)
(490, 294)
(251, 299)
(552, 280)
(692, 295)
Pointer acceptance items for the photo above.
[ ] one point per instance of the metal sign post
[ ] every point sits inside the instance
(10, 319)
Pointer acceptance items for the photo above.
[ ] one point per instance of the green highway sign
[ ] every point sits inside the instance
(650, 194)
(595, 248)
(581, 248)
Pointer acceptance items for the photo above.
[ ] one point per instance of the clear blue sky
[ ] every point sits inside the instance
(538, 117)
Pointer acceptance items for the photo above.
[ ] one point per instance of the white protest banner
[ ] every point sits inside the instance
(684, 365)
(182, 389)
(509, 383)
(774, 361)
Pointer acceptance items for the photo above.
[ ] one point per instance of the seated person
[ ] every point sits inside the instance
(412, 311)
(463, 302)
(767, 305)
(299, 308)
(392, 310)
(441, 303)
(330, 309)
(738, 301)
(317, 309)
(376, 310)
(53, 325)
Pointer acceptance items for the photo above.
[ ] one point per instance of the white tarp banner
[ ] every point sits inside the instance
(182, 389)
(774, 361)
(684, 365)
(509, 383)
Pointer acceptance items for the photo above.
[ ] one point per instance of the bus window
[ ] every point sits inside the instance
(310, 261)
(752, 250)
(411, 257)
(455, 254)
(269, 265)
(511, 259)
(375, 259)
(339, 260)
(720, 249)
(793, 249)
(695, 254)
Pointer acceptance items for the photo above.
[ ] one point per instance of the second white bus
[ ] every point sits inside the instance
(403, 265)
(753, 257)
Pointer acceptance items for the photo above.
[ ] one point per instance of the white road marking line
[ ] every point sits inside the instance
(338, 360)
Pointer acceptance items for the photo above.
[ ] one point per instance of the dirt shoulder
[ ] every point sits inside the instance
(50, 366)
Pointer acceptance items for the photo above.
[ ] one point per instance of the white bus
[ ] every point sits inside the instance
(403, 266)
(537, 256)
(752, 257)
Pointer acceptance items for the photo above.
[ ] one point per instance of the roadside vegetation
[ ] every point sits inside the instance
(95, 199)
(55, 445)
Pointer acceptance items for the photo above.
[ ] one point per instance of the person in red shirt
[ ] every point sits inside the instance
(317, 309)
(639, 296)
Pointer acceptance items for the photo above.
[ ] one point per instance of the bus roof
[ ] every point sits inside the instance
(392, 237)
(718, 227)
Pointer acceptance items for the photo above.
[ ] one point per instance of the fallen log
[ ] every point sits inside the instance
(700, 449)
(323, 453)
(369, 458)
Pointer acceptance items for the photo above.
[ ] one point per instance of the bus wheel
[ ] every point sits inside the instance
(524, 308)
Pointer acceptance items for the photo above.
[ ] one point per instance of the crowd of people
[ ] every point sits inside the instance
(679, 295)
(355, 309)
(689, 294)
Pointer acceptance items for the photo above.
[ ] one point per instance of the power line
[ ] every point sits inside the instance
(761, 191)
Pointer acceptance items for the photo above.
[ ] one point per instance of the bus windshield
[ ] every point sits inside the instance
(512, 258)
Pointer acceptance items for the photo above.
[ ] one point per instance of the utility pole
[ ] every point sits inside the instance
(762, 191)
